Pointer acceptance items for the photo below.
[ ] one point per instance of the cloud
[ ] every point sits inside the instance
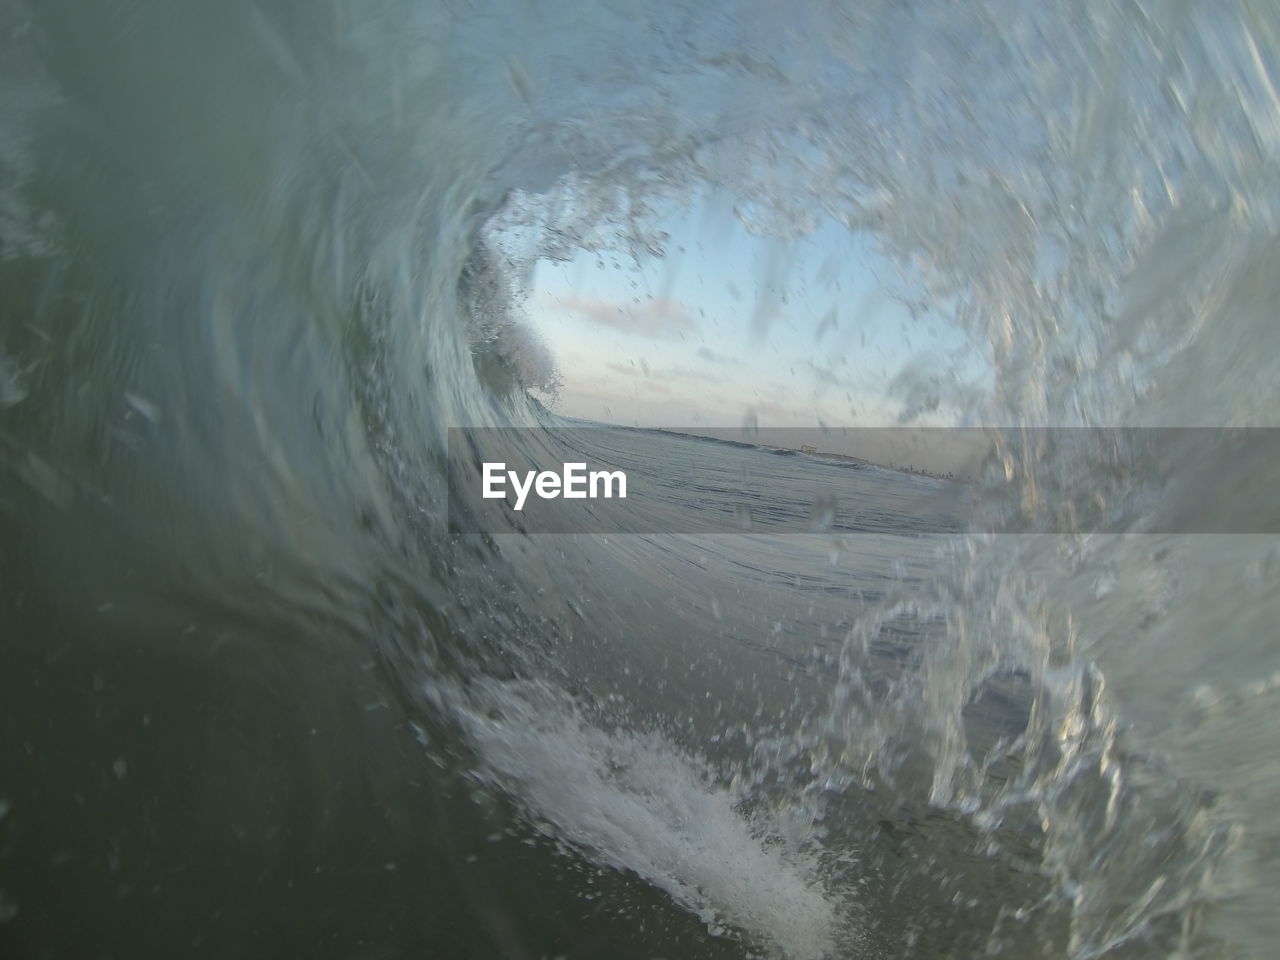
(929, 390)
(780, 415)
(706, 353)
(604, 388)
(670, 374)
(826, 377)
(659, 317)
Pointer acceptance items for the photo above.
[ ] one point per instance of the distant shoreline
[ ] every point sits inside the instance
(908, 469)
(829, 456)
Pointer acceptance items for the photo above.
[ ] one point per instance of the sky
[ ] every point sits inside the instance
(728, 329)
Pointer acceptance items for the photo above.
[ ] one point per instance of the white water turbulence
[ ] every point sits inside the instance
(640, 804)
(259, 696)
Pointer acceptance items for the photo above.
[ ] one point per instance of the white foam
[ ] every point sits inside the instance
(638, 802)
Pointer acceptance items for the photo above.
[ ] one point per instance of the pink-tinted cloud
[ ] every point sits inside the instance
(656, 318)
(672, 374)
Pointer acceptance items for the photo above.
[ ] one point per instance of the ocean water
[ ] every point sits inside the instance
(261, 696)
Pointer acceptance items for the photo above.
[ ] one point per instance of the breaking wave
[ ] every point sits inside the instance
(256, 259)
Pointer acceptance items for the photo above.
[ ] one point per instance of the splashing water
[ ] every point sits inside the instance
(256, 259)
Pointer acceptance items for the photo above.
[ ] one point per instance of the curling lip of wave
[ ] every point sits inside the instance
(280, 269)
